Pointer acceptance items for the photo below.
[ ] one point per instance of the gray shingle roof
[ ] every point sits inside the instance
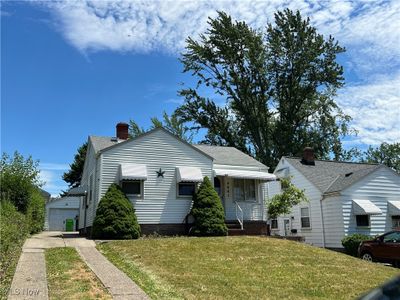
(221, 155)
(330, 176)
(230, 156)
(102, 142)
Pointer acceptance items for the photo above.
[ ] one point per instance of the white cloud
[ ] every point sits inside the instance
(368, 29)
(51, 175)
(375, 108)
(371, 28)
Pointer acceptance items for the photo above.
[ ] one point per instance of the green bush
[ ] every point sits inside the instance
(36, 212)
(13, 232)
(19, 178)
(208, 213)
(351, 242)
(115, 217)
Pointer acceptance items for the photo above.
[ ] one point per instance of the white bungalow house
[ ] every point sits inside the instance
(344, 198)
(159, 173)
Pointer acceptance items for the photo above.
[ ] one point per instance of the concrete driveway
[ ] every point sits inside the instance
(54, 239)
(30, 281)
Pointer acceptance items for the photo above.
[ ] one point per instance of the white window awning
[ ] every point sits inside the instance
(132, 171)
(189, 174)
(394, 207)
(365, 207)
(245, 174)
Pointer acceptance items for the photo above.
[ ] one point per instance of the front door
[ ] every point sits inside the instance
(286, 226)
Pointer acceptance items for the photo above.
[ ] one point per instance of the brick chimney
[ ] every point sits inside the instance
(122, 131)
(308, 156)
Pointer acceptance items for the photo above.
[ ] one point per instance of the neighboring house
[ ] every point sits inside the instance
(62, 214)
(159, 173)
(344, 198)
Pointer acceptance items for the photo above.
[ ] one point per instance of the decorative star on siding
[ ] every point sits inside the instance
(160, 173)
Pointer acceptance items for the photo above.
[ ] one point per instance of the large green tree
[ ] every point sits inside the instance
(387, 154)
(74, 176)
(279, 85)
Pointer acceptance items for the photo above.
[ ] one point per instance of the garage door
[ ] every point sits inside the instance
(57, 217)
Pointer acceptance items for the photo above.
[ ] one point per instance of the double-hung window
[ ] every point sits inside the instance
(305, 217)
(274, 224)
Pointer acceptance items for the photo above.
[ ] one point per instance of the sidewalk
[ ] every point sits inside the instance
(118, 283)
(30, 280)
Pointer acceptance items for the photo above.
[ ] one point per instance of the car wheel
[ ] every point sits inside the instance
(367, 256)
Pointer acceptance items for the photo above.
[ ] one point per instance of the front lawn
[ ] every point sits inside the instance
(242, 268)
(69, 278)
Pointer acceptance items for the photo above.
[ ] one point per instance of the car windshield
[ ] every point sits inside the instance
(393, 237)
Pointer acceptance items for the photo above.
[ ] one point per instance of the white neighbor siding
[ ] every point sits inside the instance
(314, 235)
(91, 167)
(333, 221)
(158, 149)
(379, 187)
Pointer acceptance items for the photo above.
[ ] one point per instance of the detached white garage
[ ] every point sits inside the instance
(62, 214)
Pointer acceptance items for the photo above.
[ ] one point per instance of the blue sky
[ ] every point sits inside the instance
(70, 69)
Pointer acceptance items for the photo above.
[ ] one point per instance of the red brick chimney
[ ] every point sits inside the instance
(308, 156)
(122, 131)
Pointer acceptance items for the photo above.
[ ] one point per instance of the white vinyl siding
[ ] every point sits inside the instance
(313, 235)
(89, 168)
(158, 149)
(379, 187)
(333, 221)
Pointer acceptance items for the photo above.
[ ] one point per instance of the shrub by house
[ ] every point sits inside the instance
(208, 213)
(351, 242)
(115, 217)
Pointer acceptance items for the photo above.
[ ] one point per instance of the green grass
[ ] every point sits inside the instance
(242, 268)
(69, 278)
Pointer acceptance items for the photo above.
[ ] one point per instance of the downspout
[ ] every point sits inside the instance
(322, 222)
(84, 219)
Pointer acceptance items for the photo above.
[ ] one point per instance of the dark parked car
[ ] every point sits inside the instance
(383, 248)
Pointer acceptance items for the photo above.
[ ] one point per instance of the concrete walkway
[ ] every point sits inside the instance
(118, 283)
(30, 280)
